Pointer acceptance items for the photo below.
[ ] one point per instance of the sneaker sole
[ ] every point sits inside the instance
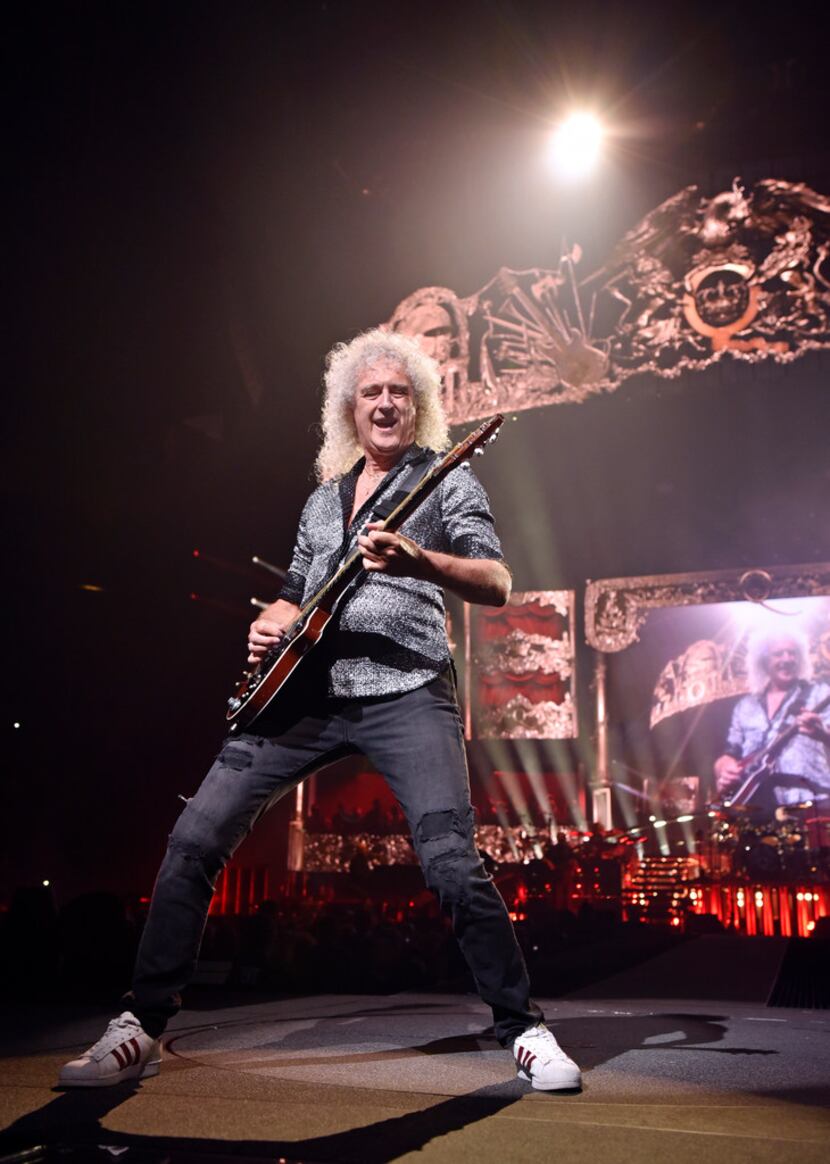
(573, 1084)
(137, 1072)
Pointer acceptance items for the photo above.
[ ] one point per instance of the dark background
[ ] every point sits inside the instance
(202, 199)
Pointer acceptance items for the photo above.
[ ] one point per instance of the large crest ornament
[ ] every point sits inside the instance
(745, 274)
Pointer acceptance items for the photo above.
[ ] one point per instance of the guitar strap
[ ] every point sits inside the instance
(407, 475)
(792, 707)
(418, 468)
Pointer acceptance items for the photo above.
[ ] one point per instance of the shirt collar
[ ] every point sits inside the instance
(348, 482)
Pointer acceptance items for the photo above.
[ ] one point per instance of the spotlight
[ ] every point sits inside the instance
(575, 146)
(755, 616)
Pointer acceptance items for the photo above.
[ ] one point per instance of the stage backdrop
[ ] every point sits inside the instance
(743, 274)
(520, 668)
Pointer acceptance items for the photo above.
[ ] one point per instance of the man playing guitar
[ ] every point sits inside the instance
(380, 682)
(781, 722)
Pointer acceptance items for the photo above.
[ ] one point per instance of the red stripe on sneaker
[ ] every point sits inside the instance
(531, 1060)
(134, 1044)
(120, 1057)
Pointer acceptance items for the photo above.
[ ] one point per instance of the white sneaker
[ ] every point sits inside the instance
(541, 1061)
(125, 1051)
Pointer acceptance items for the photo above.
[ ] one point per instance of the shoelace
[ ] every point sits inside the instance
(118, 1030)
(544, 1045)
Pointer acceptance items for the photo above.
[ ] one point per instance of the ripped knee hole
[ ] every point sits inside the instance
(435, 826)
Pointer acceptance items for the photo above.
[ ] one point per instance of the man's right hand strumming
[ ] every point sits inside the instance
(728, 773)
(269, 627)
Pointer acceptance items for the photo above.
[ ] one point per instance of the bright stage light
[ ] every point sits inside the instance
(767, 616)
(575, 146)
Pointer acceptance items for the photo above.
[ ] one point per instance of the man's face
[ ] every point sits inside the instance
(384, 410)
(782, 661)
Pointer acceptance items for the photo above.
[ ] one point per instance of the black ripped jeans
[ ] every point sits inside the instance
(416, 741)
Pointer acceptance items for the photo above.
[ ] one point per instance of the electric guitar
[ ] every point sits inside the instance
(759, 764)
(257, 689)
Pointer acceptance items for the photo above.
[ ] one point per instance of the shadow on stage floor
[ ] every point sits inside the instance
(72, 1124)
(373, 1079)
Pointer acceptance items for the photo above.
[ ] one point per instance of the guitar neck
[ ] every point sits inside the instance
(351, 566)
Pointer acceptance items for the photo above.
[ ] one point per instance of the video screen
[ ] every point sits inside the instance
(723, 705)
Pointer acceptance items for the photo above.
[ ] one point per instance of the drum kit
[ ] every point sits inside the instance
(794, 845)
(761, 842)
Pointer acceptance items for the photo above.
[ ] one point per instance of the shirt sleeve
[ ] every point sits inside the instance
(818, 694)
(735, 736)
(468, 522)
(293, 588)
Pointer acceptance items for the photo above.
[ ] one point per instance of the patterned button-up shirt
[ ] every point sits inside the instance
(389, 634)
(751, 728)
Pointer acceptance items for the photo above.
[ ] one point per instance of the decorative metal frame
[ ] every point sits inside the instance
(744, 274)
(616, 608)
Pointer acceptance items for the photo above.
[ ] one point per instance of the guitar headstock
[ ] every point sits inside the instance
(475, 442)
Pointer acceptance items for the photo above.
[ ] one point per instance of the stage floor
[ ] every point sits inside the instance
(412, 1076)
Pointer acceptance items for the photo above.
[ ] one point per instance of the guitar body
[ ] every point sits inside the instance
(760, 765)
(757, 765)
(754, 770)
(277, 674)
(757, 761)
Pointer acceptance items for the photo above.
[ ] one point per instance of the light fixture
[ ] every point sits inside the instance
(576, 145)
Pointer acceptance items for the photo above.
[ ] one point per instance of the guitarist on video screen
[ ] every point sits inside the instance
(380, 683)
(782, 700)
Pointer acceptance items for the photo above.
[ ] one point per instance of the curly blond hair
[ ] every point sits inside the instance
(344, 363)
(758, 652)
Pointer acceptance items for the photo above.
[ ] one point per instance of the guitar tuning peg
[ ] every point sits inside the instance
(478, 452)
